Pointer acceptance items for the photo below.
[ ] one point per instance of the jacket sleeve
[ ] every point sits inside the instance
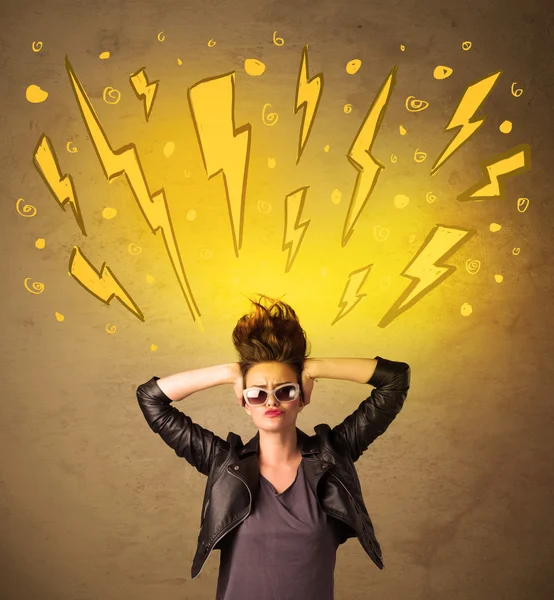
(189, 440)
(392, 382)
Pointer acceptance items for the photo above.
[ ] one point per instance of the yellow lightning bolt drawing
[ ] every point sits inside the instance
(60, 185)
(102, 284)
(513, 161)
(350, 296)
(294, 230)
(144, 90)
(360, 156)
(224, 148)
(472, 99)
(427, 269)
(125, 161)
(308, 94)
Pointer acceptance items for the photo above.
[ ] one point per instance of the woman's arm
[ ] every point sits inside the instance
(177, 387)
(188, 439)
(360, 370)
(391, 380)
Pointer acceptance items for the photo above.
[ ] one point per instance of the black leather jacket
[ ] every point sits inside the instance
(329, 456)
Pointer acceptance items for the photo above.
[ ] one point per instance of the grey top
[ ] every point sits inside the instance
(284, 550)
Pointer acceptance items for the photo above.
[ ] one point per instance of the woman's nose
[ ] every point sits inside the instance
(271, 398)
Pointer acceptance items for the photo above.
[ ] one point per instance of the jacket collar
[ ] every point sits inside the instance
(307, 444)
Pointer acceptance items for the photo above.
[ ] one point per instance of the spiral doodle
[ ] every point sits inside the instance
(415, 105)
(381, 233)
(393, 158)
(517, 92)
(134, 248)
(28, 208)
(430, 197)
(473, 266)
(522, 204)
(161, 36)
(516, 251)
(211, 43)
(385, 282)
(348, 108)
(277, 40)
(466, 45)
(419, 155)
(37, 46)
(264, 207)
(110, 328)
(412, 238)
(70, 148)
(37, 285)
(269, 119)
(402, 47)
(206, 253)
(113, 95)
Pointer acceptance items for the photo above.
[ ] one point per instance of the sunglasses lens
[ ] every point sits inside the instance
(256, 397)
(286, 393)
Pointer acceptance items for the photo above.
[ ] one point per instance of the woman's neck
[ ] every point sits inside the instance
(278, 447)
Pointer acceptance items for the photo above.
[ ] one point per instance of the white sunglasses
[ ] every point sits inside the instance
(258, 396)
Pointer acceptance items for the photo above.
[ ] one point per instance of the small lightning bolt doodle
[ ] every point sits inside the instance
(144, 90)
(361, 158)
(350, 296)
(513, 161)
(472, 99)
(102, 284)
(60, 185)
(308, 95)
(294, 230)
(427, 269)
(125, 161)
(224, 148)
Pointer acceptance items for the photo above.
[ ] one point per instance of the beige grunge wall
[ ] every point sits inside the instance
(157, 171)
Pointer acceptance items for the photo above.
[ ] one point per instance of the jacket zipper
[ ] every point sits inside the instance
(232, 526)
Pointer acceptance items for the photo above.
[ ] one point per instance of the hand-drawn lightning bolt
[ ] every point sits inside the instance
(224, 148)
(350, 296)
(360, 156)
(515, 160)
(472, 99)
(294, 230)
(60, 185)
(308, 94)
(102, 284)
(144, 90)
(125, 161)
(427, 269)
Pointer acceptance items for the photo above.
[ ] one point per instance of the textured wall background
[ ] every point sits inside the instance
(460, 488)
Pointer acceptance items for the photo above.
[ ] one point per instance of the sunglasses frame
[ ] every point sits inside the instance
(269, 392)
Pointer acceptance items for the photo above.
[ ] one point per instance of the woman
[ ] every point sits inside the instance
(278, 506)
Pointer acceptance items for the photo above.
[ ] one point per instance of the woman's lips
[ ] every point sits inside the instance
(273, 413)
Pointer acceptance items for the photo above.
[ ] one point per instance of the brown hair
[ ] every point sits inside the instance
(270, 334)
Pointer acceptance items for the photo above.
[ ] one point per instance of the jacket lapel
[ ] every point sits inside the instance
(313, 467)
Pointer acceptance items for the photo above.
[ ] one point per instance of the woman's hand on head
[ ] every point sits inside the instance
(307, 386)
(238, 386)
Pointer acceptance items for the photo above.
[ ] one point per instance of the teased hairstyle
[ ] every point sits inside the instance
(270, 334)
